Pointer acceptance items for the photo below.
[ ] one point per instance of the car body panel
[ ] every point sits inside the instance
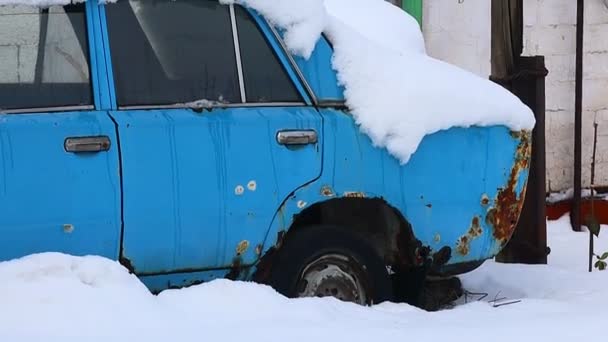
(439, 192)
(185, 196)
(200, 189)
(53, 200)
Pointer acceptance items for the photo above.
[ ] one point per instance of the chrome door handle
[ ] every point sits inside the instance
(87, 144)
(297, 137)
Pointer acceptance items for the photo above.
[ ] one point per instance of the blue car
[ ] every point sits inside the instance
(182, 139)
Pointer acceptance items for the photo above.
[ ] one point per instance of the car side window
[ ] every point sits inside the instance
(172, 51)
(44, 61)
(265, 78)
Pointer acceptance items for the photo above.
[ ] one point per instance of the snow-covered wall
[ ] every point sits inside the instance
(550, 30)
(458, 31)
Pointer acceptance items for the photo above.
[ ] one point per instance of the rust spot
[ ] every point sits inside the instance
(485, 200)
(235, 269)
(264, 267)
(327, 191)
(463, 245)
(242, 247)
(475, 230)
(504, 215)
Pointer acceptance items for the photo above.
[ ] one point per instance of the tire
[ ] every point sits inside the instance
(321, 261)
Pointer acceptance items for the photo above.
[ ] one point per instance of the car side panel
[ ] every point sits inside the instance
(200, 190)
(52, 200)
(440, 191)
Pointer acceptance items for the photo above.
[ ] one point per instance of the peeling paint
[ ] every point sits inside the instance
(485, 200)
(68, 228)
(327, 191)
(239, 190)
(437, 238)
(252, 185)
(301, 204)
(242, 247)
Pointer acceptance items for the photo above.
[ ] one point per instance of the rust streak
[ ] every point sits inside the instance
(504, 215)
(463, 245)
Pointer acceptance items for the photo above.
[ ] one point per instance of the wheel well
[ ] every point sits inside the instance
(373, 219)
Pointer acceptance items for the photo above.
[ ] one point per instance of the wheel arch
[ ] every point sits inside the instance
(369, 216)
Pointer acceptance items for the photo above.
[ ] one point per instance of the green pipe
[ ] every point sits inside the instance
(414, 8)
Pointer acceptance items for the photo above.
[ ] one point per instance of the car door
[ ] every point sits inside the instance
(59, 176)
(214, 133)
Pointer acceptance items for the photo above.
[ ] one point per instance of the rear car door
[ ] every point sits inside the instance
(214, 132)
(59, 176)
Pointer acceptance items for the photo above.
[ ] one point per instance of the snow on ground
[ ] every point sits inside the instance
(55, 297)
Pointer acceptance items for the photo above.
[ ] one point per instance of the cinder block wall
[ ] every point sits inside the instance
(64, 61)
(458, 31)
(550, 30)
(18, 43)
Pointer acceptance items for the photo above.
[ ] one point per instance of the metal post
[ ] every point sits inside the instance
(575, 215)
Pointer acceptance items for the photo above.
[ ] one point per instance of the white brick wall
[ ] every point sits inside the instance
(550, 30)
(458, 31)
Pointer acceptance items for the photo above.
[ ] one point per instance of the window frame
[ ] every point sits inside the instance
(89, 55)
(298, 80)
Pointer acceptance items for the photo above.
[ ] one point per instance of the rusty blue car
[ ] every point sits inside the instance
(183, 140)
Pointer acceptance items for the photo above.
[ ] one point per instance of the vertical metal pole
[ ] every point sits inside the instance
(592, 185)
(578, 118)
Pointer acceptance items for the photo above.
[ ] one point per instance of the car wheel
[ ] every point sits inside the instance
(326, 261)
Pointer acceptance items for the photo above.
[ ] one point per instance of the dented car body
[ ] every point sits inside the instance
(182, 191)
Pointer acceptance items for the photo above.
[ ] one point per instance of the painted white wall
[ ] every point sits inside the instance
(458, 31)
(550, 30)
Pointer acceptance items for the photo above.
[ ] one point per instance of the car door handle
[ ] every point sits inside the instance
(87, 144)
(297, 137)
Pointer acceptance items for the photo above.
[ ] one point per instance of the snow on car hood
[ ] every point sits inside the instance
(395, 91)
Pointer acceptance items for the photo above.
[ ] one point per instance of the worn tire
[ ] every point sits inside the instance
(309, 244)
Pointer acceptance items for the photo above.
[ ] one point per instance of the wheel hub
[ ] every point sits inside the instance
(333, 275)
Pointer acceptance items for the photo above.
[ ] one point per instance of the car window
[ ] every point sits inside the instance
(172, 51)
(265, 78)
(43, 57)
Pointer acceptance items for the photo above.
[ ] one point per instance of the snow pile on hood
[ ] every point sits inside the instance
(393, 28)
(396, 92)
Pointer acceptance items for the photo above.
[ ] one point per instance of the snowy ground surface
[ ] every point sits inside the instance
(53, 297)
